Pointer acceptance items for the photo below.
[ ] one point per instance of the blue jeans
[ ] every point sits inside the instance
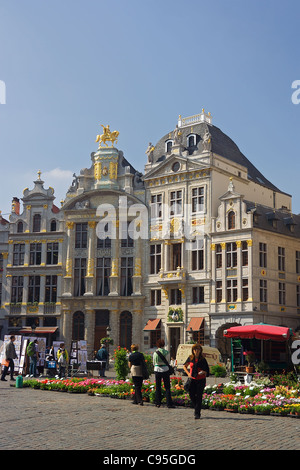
(32, 366)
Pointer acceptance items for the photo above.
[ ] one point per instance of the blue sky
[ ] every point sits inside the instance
(70, 65)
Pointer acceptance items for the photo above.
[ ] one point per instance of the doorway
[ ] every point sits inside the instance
(101, 323)
(174, 341)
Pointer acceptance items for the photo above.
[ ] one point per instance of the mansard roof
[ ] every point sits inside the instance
(286, 223)
(221, 145)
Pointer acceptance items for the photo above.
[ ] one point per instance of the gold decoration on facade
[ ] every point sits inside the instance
(69, 267)
(138, 267)
(90, 267)
(114, 268)
(113, 170)
(107, 136)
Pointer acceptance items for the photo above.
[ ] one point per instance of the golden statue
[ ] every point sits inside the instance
(107, 136)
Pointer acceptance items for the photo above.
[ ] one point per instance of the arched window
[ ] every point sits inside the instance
(53, 226)
(20, 227)
(169, 144)
(36, 226)
(191, 140)
(231, 220)
(125, 330)
(78, 326)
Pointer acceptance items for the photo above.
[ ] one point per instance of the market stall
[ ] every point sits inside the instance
(275, 353)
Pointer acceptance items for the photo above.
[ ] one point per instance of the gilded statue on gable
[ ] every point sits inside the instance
(107, 136)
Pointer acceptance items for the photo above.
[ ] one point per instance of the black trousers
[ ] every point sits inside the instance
(137, 382)
(5, 370)
(165, 376)
(196, 393)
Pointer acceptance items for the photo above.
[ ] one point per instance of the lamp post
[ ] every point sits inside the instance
(108, 331)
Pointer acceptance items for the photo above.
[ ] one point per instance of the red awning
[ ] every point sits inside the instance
(261, 331)
(152, 325)
(38, 330)
(195, 324)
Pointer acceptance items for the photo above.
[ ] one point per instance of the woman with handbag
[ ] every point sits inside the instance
(136, 363)
(197, 373)
(162, 372)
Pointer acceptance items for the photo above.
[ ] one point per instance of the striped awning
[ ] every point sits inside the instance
(195, 324)
(152, 325)
(38, 330)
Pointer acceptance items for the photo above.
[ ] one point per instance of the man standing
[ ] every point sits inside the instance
(9, 355)
(102, 355)
(32, 353)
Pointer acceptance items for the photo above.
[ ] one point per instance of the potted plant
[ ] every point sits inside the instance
(250, 358)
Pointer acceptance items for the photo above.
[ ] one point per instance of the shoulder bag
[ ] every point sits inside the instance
(171, 368)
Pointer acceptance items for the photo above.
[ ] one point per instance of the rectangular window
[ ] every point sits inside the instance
(103, 272)
(155, 258)
(18, 254)
(51, 289)
(1, 262)
(176, 203)
(175, 297)
(81, 235)
(231, 255)
(281, 293)
(297, 262)
(155, 297)
(218, 256)
(126, 240)
(198, 295)
(244, 254)
(245, 292)
(231, 290)
(79, 276)
(298, 296)
(263, 291)
(17, 289)
(263, 255)
(197, 255)
(198, 199)
(156, 206)
(281, 259)
(126, 275)
(104, 241)
(34, 289)
(52, 253)
(35, 254)
(219, 291)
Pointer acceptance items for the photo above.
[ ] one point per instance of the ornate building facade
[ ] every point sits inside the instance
(200, 241)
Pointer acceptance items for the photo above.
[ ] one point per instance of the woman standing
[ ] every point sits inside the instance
(198, 371)
(135, 362)
(161, 371)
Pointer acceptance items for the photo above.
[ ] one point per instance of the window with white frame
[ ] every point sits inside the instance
(156, 206)
(176, 202)
(198, 199)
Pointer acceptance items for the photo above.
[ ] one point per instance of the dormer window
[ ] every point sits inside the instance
(169, 145)
(191, 140)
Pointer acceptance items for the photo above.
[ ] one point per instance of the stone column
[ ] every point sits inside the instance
(115, 265)
(213, 276)
(224, 273)
(239, 271)
(89, 326)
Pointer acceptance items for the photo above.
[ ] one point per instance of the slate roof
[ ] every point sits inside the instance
(221, 145)
(286, 223)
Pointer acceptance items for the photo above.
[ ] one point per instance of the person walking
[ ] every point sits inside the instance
(135, 362)
(161, 371)
(62, 359)
(9, 356)
(102, 356)
(197, 369)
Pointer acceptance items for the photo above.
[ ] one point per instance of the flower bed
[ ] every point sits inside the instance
(255, 398)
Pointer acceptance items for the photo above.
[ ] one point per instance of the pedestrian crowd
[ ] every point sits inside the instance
(195, 366)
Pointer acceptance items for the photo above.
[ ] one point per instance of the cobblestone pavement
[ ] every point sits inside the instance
(48, 420)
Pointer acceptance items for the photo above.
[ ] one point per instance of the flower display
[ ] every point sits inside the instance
(279, 400)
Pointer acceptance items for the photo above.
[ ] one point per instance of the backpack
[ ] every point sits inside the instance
(30, 349)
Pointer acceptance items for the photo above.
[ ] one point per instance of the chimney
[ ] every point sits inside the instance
(15, 206)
